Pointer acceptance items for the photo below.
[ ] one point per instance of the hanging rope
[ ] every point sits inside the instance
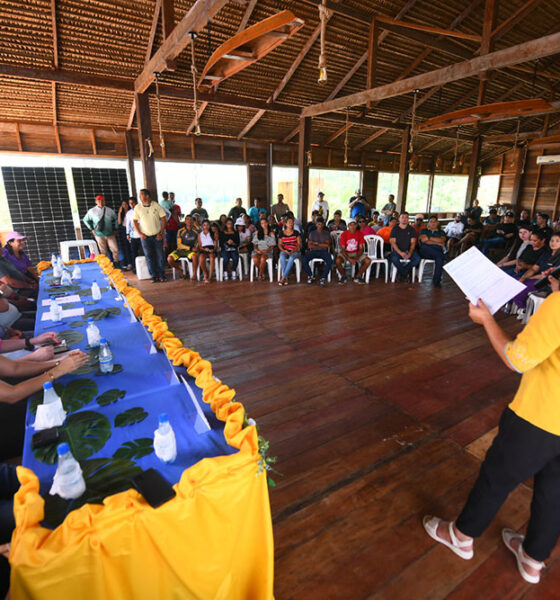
(456, 149)
(195, 91)
(324, 17)
(346, 139)
(150, 147)
(161, 138)
(413, 123)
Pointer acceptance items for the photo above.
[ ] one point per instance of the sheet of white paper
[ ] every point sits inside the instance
(63, 300)
(72, 312)
(480, 278)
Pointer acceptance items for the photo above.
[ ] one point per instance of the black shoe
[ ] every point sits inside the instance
(310, 280)
(163, 278)
(342, 280)
(437, 285)
(155, 280)
(359, 281)
(323, 282)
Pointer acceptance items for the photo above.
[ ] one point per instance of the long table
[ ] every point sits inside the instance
(209, 541)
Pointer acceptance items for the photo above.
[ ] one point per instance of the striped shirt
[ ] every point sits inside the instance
(290, 242)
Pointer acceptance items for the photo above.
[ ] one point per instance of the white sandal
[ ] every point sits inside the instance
(431, 525)
(522, 561)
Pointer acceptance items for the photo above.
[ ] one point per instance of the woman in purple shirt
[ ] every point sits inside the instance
(13, 251)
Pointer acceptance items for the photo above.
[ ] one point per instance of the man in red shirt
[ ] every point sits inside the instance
(352, 250)
(171, 229)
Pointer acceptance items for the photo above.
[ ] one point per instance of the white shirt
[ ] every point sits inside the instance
(322, 206)
(454, 229)
(129, 226)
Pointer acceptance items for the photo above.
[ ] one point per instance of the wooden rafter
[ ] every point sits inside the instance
(517, 16)
(195, 20)
(428, 29)
(167, 17)
(93, 141)
(369, 139)
(338, 133)
(55, 63)
(18, 137)
(539, 48)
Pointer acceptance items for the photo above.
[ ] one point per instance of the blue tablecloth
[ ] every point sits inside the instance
(150, 383)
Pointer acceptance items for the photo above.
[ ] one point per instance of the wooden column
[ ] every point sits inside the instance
(269, 164)
(130, 162)
(431, 186)
(537, 183)
(373, 43)
(472, 185)
(518, 177)
(303, 168)
(403, 172)
(144, 133)
(369, 186)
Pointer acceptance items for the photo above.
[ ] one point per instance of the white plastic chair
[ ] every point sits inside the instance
(220, 267)
(245, 260)
(185, 262)
(423, 263)
(375, 254)
(394, 271)
(533, 303)
(335, 242)
(65, 247)
(297, 264)
(318, 261)
(217, 271)
(254, 271)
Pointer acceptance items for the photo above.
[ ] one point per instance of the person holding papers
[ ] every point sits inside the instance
(527, 445)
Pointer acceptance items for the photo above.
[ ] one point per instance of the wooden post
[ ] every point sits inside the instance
(130, 161)
(518, 177)
(369, 186)
(537, 183)
(403, 172)
(145, 133)
(501, 176)
(472, 185)
(431, 185)
(556, 200)
(372, 55)
(303, 168)
(269, 165)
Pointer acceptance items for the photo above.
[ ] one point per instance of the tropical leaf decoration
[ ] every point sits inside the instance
(92, 364)
(74, 395)
(130, 417)
(135, 449)
(100, 313)
(87, 291)
(71, 337)
(78, 323)
(89, 301)
(110, 396)
(63, 288)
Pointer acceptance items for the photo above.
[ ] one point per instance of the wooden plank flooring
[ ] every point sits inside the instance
(379, 401)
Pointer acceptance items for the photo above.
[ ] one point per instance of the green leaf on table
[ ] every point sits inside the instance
(110, 396)
(113, 310)
(87, 291)
(135, 449)
(90, 302)
(116, 369)
(48, 454)
(87, 432)
(96, 314)
(103, 477)
(63, 288)
(92, 364)
(70, 305)
(72, 337)
(78, 323)
(130, 417)
(77, 393)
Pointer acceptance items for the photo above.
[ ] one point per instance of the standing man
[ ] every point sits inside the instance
(280, 209)
(403, 243)
(322, 206)
(102, 222)
(149, 222)
(352, 250)
(131, 234)
(389, 209)
(237, 210)
(319, 242)
(432, 240)
(357, 205)
(198, 210)
(167, 202)
(254, 212)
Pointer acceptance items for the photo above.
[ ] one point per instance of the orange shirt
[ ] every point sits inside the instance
(385, 233)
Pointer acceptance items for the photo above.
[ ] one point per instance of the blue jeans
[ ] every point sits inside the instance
(324, 255)
(287, 262)
(125, 252)
(495, 242)
(434, 253)
(171, 240)
(153, 251)
(404, 268)
(228, 255)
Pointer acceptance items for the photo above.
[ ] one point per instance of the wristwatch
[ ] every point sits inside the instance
(28, 344)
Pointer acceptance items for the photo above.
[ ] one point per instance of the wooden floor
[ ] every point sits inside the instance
(380, 402)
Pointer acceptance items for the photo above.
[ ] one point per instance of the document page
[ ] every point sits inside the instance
(480, 278)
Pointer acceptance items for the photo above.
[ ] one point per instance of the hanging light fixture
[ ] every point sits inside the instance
(161, 138)
(194, 77)
(324, 17)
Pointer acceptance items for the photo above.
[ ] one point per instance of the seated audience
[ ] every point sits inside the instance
(237, 210)
(378, 224)
(454, 232)
(289, 242)
(352, 250)
(476, 211)
(432, 247)
(403, 242)
(222, 222)
(264, 242)
(198, 211)
(374, 217)
(172, 227)
(364, 227)
(542, 224)
(492, 218)
(318, 244)
(311, 225)
(229, 244)
(337, 223)
(471, 234)
(14, 252)
(207, 249)
(523, 240)
(505, 232)
(530, 256)
(385, 232)
(524, 220)
(419, 224)
(187, 242)
(245, 237)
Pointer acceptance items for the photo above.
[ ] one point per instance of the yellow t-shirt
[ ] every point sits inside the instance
(149, 217)
(535, 352)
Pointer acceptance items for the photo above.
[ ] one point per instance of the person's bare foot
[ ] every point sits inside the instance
(515, 543)
(443, 532)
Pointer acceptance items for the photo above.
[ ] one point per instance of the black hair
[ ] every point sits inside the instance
(433, 217)
(539, 233)
(404, 213)
(206, 221)
(320, 220)
(493, 211)
(260, 230)
(165, 195)
(132, 198)
(543, 216)
(146, 191)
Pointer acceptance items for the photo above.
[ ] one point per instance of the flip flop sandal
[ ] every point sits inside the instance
(522, 561)
(431, 526)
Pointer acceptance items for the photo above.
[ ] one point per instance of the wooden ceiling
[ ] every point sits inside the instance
(108, 41)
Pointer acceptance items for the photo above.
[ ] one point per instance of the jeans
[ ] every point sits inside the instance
(171, 240)
(228, 255)
(287, 262)
(136, 250)
(153, 250)
(405, 268)
(519, 451)
(495, 242)
(434, 253)
(324, 255)
(125, 252)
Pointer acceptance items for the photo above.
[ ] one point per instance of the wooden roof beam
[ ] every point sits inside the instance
(194, 21)
(427, 28)
(167, 17)
(539, 48)
(512, 21)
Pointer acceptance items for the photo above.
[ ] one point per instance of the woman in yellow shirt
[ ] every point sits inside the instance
(527, 444)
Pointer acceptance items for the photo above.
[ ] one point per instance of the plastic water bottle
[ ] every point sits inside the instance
(93, 334)
(53, 259)
(105, 357)
(56, 310)
(65, 278)
(76, 273)
(68, 474)
(49, 394)
(165, 445)
(95, 290)
(57, 269)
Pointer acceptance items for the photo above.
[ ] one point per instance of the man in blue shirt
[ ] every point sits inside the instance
(254, 212)
(432, 247)
(358, 205)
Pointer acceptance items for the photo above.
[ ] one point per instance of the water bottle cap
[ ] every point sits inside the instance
(94, 281)
(163, 418)
(103, 341)
(90, 320)
(63, 448)
(47, 386)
